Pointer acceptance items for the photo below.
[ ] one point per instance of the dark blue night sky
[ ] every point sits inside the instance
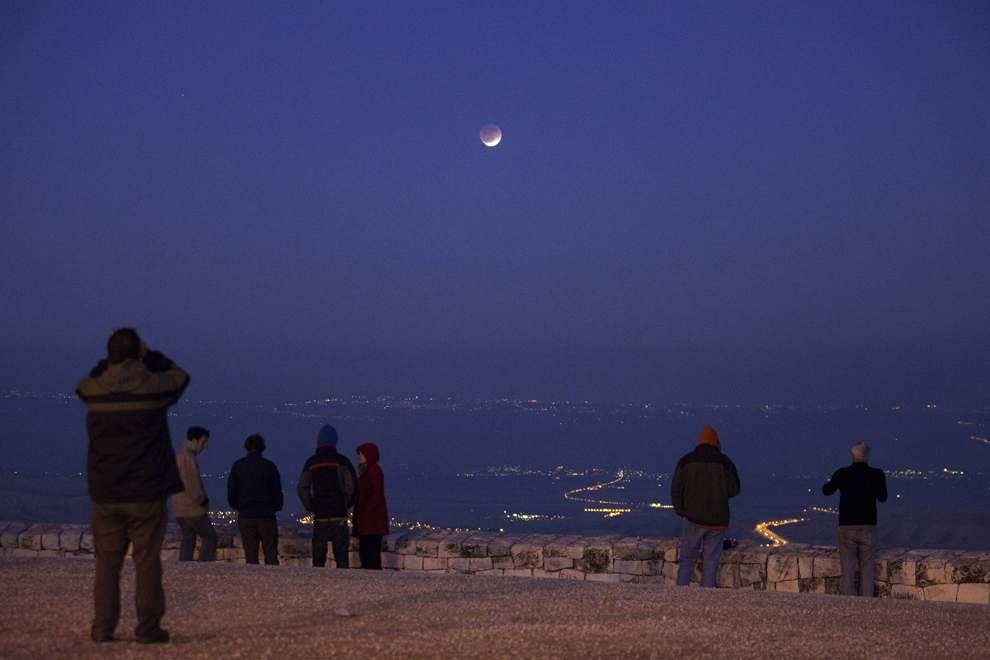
(691, 201)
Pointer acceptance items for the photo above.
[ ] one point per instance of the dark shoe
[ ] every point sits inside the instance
(100, 636)
(155, 637)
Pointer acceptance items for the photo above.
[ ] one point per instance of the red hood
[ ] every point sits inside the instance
(708, 437)
(370, 451)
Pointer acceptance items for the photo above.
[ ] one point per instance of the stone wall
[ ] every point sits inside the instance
(944, 575)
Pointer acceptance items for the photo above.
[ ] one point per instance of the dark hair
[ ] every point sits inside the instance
(124, 344)
(255, 443)
(197, 432)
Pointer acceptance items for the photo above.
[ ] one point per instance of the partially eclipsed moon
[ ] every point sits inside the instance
(491, 135)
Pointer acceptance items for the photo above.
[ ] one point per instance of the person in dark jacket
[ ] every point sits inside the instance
(326, 489)
(131, 471)
(254, 490)
(370, 512)
(703, 482)
(860, 488)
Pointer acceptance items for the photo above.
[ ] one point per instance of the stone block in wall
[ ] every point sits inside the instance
(598, 558)
(881, 589)
(571, 574)
(353, 559)
(49, 537)
(781, 568)
(451, 545)
(70, 537)
(906, 592)
(493, 571)
(169, 555)
(974, 593)
(750, 574)
(942, 592)
(746, 554)
(792, 586)
(87, 543)
(51, 554)
(628, 567)
(631, 549)
(480, 564)
(625, 578)
(406, 544)
(728, 576)
(669, 570)
(811, 585)
(173, 537)
(557, 563)
(806, 565)
(902, 571)
(558, 547)
(22, 552)
(454, 564)
(391, 560)
(412, 563)
(576, 549)
(929, 572)
(427, 547)
(474, 548)
(30, 538)
(518, 572)
(502, 562)
(527, 556)
(501, 546)
(8, 538)
(540, 573)
(827, 566)
(880, 569)
(965, 570)
(233, 554)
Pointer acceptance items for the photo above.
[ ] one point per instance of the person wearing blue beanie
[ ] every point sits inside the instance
(327, 436)
(327, 488)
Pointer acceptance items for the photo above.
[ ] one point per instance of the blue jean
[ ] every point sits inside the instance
(191, 528)
(335, 532)
(693, 540)
(857, 547)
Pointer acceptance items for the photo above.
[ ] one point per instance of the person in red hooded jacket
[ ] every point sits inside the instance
(370, 512)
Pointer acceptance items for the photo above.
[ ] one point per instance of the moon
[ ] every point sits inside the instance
(491, 135)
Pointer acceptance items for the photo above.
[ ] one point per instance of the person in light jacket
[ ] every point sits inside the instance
(191, 507)
(370, 512)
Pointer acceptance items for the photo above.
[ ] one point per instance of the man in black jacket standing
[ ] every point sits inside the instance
(860, 488)
(327, 488)
(703, 482)
(254, 490)
(131, 471)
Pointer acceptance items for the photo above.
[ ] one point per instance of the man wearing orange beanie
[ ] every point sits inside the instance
(703, 482)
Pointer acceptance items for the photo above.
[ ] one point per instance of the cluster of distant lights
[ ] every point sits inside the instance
(946, 473)
(775, 539)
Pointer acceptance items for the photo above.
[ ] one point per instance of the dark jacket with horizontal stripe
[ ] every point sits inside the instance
(130, 456)
(703, 482)
(254, 487)
(327, 484)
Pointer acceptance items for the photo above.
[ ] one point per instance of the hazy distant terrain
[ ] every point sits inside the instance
(507, 464)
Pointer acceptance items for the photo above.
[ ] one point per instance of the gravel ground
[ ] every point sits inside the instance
(233, 611)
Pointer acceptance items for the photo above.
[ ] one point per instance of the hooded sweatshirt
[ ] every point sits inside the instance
(703, 482)
(370, 511)
(130, 457)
